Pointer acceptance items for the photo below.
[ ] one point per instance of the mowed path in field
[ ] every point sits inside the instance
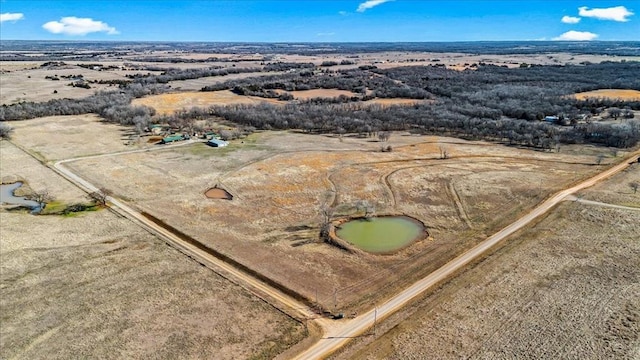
(338, 335)
(333, 340)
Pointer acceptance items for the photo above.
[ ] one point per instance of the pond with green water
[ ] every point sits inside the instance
(381, 234)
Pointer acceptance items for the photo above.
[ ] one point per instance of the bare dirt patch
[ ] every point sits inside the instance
(169, 103)
(217, 193)
(622, 94)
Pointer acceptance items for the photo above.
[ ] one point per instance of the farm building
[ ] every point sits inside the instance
(551, 119)
(173, 138)
(217, 143)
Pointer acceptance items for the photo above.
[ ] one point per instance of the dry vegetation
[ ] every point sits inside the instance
(169, 103)
(626, 95)
(566, 288)
(96, 285)
(279, 181)
(75, 135)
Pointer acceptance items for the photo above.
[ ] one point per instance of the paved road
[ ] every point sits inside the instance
(337, 338)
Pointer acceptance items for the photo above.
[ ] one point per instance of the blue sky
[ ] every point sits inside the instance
(318, 20)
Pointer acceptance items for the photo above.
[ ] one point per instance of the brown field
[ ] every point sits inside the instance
(627, 95)
(279, 179)
(98, 286)
(567, 288)
(395, 101)
(169, 103)
(320, 93)
(197, 84)
(25, 81)
(74, 135)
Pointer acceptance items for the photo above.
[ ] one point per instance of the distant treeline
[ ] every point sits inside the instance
(64, 49)
(491, 103)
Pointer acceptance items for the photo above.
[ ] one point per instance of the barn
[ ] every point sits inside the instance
(217, 143)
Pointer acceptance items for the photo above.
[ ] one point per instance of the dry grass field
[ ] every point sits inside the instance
(169, 103)
(626, 95)
(22, 81)
(617, 192)
(279, 181)
(96, 285)
(74, 135)
(568, 288)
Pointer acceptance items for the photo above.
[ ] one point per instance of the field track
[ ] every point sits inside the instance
(358, 326)
(336, 334)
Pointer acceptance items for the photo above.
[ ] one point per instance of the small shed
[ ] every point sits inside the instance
(551, 119)
(217, 143)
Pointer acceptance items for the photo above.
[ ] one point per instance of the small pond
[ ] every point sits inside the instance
(381, 234)
(7, 197)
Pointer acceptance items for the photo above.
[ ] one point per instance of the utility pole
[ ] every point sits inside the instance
(335, 300)
(375, 319)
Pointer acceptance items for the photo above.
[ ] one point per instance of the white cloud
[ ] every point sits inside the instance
(369, 4)
(72, 25)
(343, 13)
(325, 34)
(577, 36)
(11, 17)
(617, 13)
(570, 19)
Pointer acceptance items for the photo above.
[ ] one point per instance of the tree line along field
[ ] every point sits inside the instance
(487, 102)
(462, 148)
(279, 180)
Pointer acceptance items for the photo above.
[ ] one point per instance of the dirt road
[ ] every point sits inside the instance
(337, 334)
(291, 305)
(337, 338)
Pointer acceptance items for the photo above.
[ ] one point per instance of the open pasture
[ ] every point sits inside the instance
(169, 103)
(98, 285)
(565, 288)
(622, 94)
(280, 181)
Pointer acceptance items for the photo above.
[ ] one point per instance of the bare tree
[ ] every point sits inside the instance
(369, 211)
(100, 196)
(42, 197)
(634, 186)
(5, 130)
(361, 205)
(384, 136)
(444, 153)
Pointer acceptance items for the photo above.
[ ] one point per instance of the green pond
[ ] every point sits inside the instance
(381, 234)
